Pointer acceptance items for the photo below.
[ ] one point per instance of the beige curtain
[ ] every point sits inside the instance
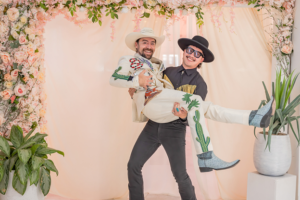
(234, 80)
(87, 118)
(91, 121)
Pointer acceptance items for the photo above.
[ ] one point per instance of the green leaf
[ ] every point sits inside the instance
(4, 146)
(291, 106)
(17, 185)
(23, 172)
(1, 169)
(297, 138)
(16, 136)
(15, 65)
(50, 165)
(45, 181)
(29, 134)
(24, 155)
(36, 162)
(37, 138)
(266, 91)
(34, 176)
(11, 38)
(187, 98)
(49, 151)
(279, 113)
(34, 148)
(12, 162)
(5, 179)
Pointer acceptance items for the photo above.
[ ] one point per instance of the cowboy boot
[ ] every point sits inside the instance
(261, 117)
(208, 161)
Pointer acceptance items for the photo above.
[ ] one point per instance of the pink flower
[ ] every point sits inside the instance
(5, 57)
(7, 77)
(6, 94)
(13, 98)
(20, 56)
(22, 39)
(20, 90)
(15, 74)
(286, 49)
(13, 14)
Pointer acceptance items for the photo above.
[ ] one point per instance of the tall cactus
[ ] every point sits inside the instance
(204, 143)
(119, 76)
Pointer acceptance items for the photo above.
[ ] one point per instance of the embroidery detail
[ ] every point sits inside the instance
(187, 88)
(203, 142)
(119, 76)
(167, 79)
(192, 103)
(135, 63)
(162, 67)
(143, 60)
(150, 94)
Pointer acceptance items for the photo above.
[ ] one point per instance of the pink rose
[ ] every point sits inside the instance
(22, 39)
(20, 56)
(13, 14)
(15, 74)
(6, 94)
(5, 57)
(31, 59)
(286, 49)
(7, 77)
(20, 90)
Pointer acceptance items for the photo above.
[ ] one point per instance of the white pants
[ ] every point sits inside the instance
(159, 109)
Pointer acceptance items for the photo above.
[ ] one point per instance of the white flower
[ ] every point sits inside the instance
(3, 27)
(17, 26)
(176, 11)
(31, 36)
(151, 2)
(33, 10)
(4, 2)
(195, 10)
(13, 14)
(184, 12)
(14, 34)
(8, 84)
(5, 57)
(20, 90)
(124, 9)
(79, 2)
(28, 30)
(23, 19)
(2, 119)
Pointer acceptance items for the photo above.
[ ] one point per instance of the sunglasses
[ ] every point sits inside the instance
(197, 54)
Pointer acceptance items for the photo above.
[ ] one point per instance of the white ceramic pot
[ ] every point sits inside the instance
(32, 192)
(275, 162)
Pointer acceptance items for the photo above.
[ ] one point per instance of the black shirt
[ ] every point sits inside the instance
(186, 80)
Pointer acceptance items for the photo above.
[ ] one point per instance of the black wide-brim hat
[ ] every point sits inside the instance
(199, 42)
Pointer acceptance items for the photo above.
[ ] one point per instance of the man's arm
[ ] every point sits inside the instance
(122, 78)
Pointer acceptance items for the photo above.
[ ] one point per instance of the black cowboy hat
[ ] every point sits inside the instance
(199, 42)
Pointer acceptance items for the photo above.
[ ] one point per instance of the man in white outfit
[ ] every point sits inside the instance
(154, 99)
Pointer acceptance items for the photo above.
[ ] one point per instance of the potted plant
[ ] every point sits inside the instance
(24, 161)
(277, 160)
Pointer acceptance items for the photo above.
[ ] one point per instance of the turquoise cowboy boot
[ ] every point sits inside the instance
(208, 161)
(261, 117)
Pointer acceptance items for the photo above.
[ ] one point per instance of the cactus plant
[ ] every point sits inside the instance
(119, 76)
(203, 142)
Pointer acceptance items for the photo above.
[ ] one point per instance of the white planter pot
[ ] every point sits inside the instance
(275, 162)
(32, 192)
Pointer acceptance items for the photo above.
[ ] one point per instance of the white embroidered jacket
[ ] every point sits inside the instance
(124, 76)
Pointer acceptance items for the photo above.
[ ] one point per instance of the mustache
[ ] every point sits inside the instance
(148, 50)
(190, 58)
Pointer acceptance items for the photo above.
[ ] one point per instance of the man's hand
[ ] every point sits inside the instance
(179, 111)
(131, 92)
(145, 81)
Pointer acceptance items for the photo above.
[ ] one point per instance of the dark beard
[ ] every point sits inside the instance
(143, 55)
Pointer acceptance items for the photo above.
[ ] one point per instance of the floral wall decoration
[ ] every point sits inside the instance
(22, 72)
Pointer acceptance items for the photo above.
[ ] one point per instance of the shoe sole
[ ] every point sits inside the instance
(208, 169)
(265, 121)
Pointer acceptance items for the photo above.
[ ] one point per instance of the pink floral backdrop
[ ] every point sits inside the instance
(22, 72)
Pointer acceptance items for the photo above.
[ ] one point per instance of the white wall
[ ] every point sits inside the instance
(296, 91)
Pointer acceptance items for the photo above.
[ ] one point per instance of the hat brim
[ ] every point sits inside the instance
(131, 38)
(185, 42)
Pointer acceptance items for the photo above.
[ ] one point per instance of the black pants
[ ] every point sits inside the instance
(172, 137)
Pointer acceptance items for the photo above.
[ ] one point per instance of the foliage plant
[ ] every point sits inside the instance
(281, 91)
(27, 157)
